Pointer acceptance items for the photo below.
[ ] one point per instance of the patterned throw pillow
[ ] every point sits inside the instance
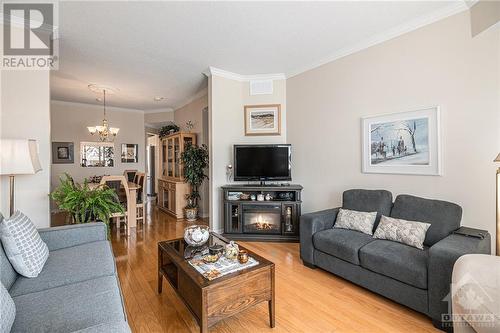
(354, 220)
(407, 232)
(26, 251)
(7, 310)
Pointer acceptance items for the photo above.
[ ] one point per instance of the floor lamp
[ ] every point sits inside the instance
(18, 157)
(498, 207)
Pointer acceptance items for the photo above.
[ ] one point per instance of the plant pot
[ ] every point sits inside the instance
(191, 214)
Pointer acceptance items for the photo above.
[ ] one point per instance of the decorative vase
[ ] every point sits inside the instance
(232, 250)
(191, 214)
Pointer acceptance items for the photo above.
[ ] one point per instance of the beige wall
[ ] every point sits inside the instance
(440, 64)
(69, 123)
(194, 111)
(25, 114)
(483, 15)
(152, 118)
(227, 128)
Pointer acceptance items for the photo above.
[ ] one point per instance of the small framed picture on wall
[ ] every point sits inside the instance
(130, 153)
(63, 153)
(263, 119)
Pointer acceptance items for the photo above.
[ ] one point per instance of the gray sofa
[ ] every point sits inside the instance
(419, 279)
(78, 288)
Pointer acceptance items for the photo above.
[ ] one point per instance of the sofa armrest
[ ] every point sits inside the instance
(309, 225)
(72, 235)
(442, 258)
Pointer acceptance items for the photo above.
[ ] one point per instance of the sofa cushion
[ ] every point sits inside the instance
(443, 216)
(7, 310)
(341, 243)
(398, 261)
(70, 308)
(8, 275)
(69, 265)
(26, 251)
(411, 233)
(379, 201)
(354, 220)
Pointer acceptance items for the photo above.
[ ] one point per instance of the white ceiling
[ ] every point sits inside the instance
(148, 49)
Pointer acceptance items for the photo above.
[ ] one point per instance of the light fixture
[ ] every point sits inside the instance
(106, 133)
(158, 98)
(18, 157)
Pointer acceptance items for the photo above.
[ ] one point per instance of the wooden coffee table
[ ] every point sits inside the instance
(212, 301)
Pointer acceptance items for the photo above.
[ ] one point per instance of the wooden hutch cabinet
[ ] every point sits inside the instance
(172, 189)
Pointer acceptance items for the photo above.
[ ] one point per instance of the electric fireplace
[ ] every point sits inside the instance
(262, 219)
(274, 217)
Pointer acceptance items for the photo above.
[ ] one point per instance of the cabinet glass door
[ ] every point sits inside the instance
(177, 157)
(289, 219)
(164, 156)
(170, 158)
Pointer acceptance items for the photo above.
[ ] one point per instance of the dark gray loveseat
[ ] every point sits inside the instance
(419, 279)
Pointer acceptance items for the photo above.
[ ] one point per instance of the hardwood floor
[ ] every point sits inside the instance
(307, 300)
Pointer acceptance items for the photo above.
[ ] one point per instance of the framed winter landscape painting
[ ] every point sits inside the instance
(402, 143)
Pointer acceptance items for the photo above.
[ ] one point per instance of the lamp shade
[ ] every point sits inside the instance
(497, 159)
(19, 157)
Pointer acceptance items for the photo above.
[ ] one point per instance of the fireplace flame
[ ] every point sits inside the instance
(262, 224)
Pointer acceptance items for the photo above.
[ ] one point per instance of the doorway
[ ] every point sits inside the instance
(151, 163)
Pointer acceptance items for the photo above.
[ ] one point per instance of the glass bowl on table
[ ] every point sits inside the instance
(196, 235)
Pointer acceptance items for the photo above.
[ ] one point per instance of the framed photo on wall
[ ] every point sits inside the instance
(402, 143)
(130, 153)
(263, 119)
(63, 153)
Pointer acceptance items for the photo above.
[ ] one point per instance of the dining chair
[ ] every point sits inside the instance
(130, 175)
(120, 185)
(140, 179)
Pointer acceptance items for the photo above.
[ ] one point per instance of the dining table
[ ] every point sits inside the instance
(131, 203)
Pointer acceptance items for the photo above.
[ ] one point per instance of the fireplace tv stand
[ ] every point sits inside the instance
(276, 219)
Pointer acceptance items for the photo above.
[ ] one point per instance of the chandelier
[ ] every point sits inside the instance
(105, 133)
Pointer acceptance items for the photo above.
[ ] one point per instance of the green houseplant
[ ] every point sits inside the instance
(168, 129)
(85, 204)
(195, 161)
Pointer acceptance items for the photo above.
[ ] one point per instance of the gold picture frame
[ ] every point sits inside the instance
(262, 119)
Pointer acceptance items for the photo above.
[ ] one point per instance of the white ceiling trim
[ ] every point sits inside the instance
(243, 78)
(108, 108)
(454, 8)
(163, 110)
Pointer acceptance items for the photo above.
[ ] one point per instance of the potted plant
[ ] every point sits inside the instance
(85, 204)
(195, 161)
(168, 129)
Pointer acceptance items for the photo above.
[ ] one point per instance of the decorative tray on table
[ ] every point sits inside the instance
(221, 267)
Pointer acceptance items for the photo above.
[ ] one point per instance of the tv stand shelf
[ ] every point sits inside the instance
(276, 219)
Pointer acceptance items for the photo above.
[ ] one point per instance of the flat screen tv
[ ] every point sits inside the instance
(262, 162)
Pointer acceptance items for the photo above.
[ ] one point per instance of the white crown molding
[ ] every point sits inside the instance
(161, 110)
(89, 105)
(470, 3)
(242, 78)
(455, 7)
